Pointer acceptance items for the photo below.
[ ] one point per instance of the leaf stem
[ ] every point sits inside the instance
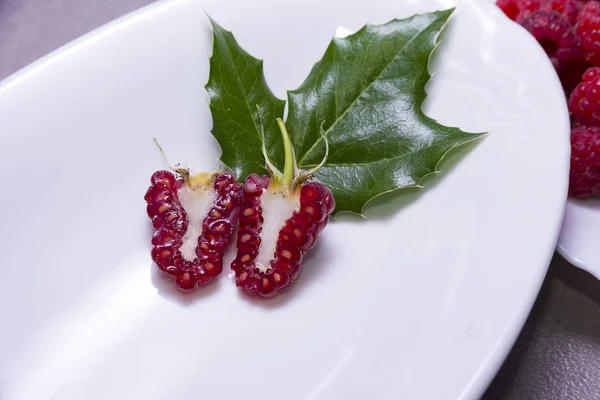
(289, 165)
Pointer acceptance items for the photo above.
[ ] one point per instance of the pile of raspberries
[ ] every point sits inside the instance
(569, 32)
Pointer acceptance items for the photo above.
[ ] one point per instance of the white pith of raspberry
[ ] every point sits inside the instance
(196, 203)
(277, 208)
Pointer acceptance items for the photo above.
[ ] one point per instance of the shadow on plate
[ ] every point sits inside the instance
(167, 289)
(388, 204)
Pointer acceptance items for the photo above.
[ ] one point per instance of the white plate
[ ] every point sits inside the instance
(580, 234)
(419, 302)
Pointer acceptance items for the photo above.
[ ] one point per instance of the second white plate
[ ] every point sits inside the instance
(580, 235)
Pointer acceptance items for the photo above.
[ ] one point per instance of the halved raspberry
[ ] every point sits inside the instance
(194, 218)
(276, 228)
(585, 162)
(281, 218)
(584, 103)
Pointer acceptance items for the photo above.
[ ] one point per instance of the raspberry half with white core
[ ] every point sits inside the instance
(281, 217)
(194, 217)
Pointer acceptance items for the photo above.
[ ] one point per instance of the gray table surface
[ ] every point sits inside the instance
(557, 355)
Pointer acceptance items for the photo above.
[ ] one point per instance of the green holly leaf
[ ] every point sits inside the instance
(367, 93)
(242, 104)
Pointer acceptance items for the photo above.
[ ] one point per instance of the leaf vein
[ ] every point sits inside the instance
(360, 95)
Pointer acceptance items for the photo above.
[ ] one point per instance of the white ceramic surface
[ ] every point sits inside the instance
(580, 235)
(419, 302)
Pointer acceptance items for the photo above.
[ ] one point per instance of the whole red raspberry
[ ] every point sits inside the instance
(584, 103)
(585, 162)
(517, 10)
(567, 8)
(555, 34)
(588, 29)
